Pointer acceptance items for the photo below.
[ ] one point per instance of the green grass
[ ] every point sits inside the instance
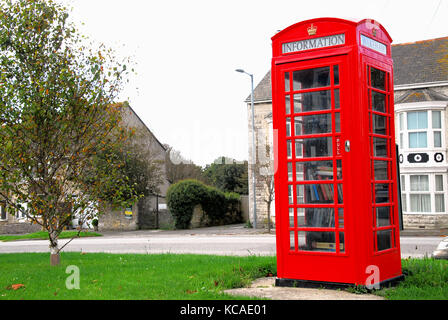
(43, 235)
(130, 276)
(427, 279)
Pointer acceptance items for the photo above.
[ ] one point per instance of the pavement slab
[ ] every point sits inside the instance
(265, 288)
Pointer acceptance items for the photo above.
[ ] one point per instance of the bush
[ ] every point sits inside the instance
(220, 207)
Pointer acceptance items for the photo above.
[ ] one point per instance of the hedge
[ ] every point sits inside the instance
(184, 196)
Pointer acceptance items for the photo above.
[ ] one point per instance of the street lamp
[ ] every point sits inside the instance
(253, 142)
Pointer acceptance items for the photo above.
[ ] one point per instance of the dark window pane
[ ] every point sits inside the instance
(337, 122)
(378, 79)
(339, 168)
(341, 217)
(342, 242)
(291, 217)
(337, 102)
(315, 147)
(288, 104)
(378, 101)
(315, 193)
(315, 124)
(292, 241)
(381, 193)
(336, 75)
(381, 170)
(311, 78)
(312, 101)
(379, 124)
(317, 241)
(384, 239)
(314, 170)
(318, 218)
(382, 216)
(287, 81)
(340, 194)
(379, 147)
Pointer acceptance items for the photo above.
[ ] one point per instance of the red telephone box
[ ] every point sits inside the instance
(336, 197)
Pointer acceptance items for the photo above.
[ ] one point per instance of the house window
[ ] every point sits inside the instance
(439, 194)
(420, 198)
(417, 127)
(437, 124)
(2, 212)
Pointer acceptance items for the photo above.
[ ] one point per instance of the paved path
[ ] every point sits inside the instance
(227, 240)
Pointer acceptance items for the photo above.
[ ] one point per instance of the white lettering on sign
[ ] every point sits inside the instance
(315, 43)
(373, 44)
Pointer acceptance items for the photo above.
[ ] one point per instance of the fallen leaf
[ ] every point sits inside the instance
(17, 286)
(191, 291)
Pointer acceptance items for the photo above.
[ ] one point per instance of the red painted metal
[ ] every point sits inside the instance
(335, 225)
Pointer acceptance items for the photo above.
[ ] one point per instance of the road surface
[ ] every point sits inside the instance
(229, 240)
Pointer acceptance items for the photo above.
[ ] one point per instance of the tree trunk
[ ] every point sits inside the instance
(55, 259)
(269, 217)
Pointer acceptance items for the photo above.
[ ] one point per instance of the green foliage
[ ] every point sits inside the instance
(220, 207)
(227, 175)
(182, 197)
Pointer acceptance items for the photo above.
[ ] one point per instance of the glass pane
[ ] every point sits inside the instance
(381, 193)
(440, 203)
(315, 193)
(380, 147)
(419, 183)
(437, 139)
(311, 78)
(403, 183)
(384, 240)
(315, 124)
(379, 124)
(417, 140)
(420, 202)
(288, 104)
(300, 216)
(315, 147)
(401, 141)
(339, 169)
(340, 194)
(291, 217)
(318, 218)
(337, 101)
(436, 120)
(337, 122)
(312, 101)
(287, 81)
(292, 241)
(341, 217)
(381, 170)
(378, 79)
(290, 194)
(289, 149)
(317, 241)
(336, 75)
(382, 216)
(288, 127)
(417, 120)
(342, 242)
(402, 122)
(378, 101)
(439, 183)
(404, 203)
(290, 176)
(314, 170)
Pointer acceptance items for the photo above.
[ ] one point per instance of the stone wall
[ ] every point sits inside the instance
(18, 228)
(115, 220)
(425, 221)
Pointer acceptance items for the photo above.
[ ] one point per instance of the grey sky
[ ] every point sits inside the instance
(186, 89)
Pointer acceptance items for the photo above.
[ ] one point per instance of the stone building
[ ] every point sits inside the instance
(421, 104)
(150, 212)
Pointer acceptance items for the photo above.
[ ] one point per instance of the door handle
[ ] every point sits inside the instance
(347, 145)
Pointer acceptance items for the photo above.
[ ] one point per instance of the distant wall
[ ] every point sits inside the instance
(245, 208)
(19, 228)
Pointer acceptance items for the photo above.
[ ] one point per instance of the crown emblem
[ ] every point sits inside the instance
(374, 32)
(312, 30)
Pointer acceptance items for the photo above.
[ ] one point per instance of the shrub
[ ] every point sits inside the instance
(182, 197)
(220, 207)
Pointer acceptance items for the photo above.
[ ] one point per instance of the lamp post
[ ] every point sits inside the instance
(253, 143)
